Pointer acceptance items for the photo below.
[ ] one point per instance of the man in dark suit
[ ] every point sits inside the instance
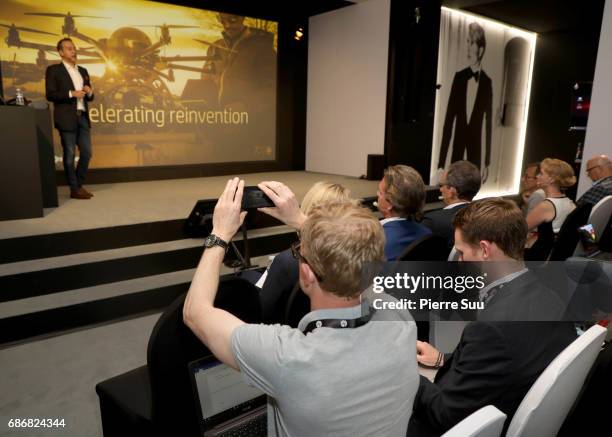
(501, 355)
(470, 101)
(458, 186)
(69, 88)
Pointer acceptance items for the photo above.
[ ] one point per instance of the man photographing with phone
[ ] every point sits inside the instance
(345, 366)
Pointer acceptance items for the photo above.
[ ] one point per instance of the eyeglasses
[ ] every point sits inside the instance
(588, 170)
(295, 251)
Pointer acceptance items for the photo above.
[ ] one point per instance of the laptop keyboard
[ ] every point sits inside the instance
(256, 427)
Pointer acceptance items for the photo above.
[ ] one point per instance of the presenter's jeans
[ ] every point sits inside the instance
(81, 138)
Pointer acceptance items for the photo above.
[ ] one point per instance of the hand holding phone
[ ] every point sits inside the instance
(254, 197)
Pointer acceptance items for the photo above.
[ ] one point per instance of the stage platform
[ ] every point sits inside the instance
(154, 201)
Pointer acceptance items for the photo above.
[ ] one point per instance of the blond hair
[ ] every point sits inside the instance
(324, 192)
(342, 241)
(404, 190)
(560, 172)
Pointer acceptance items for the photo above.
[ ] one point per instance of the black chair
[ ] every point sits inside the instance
(605, 241)
(157, 399)
(540, 251)
(298, 305)
(427, 248)
(569, 236)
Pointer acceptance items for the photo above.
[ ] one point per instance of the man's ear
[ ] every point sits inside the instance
(307, 275)
(480, 53)
(453, 191)
(487, 249)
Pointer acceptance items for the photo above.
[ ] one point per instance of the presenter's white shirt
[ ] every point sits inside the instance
(77, 81)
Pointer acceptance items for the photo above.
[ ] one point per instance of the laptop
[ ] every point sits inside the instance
(228, 405)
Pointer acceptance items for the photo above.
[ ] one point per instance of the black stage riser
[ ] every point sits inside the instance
(43, 282)
(32, 325)
(92, 240)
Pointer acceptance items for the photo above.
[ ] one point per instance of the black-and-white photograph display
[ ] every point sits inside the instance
(484, 80)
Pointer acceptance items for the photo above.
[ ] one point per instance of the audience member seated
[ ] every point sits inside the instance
(282, 275)
(599, 170)
(327, 377)
(401, 197)
(547, 217)
(458, 186)
(495, 362)
(531, 195)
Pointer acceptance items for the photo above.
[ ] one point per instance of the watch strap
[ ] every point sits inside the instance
(214, 240)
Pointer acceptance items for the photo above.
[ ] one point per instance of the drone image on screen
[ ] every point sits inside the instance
(135, 73)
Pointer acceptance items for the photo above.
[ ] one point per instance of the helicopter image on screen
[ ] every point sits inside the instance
(135, 71)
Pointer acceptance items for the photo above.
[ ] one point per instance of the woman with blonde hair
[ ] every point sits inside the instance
(555, 176)
(282, 275)
(546, 218)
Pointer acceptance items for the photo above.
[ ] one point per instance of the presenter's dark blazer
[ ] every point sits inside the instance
(468, 135)
(495, 363)
(57, 84)
(440, 222)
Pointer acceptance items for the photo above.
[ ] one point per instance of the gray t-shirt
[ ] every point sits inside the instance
(333, 382)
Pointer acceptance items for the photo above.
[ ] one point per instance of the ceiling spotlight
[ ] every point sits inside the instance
(299, 34)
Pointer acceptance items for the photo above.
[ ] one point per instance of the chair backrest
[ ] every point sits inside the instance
(540, 251)
(546, 404)
(172, 346)
(427, 248)
(297, 306)
(605, 241)
(569, 236)
(486, 422)
(445, 334)
(600, 215)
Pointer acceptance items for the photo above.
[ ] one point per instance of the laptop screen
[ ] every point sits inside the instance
(221, 391)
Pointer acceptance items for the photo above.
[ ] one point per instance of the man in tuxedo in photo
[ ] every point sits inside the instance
(69, 88)
(469, 105)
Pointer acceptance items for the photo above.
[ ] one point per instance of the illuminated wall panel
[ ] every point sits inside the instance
(484, 77)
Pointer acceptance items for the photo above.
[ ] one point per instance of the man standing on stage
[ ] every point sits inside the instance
(69, 88)
(469, 105)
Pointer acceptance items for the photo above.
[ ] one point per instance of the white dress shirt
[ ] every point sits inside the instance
(472, 91)
(453, 205)
(77, 81)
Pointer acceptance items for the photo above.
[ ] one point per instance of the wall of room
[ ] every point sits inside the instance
(598, 136)
(561, 60)
(347, 87)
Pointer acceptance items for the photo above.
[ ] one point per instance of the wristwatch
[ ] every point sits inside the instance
(213, 240)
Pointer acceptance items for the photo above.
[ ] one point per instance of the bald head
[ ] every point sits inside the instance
(599, 167)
